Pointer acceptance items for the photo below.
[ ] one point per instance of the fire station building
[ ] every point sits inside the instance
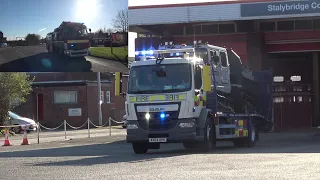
(280, 35)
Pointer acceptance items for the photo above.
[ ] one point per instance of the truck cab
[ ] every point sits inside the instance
(216, 56)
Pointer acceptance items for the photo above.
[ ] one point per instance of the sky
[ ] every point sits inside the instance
(159, 2)
(20, 17)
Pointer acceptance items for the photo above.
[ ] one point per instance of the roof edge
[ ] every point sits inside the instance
(200, 4)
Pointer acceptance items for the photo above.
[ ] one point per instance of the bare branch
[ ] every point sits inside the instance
(120, 23)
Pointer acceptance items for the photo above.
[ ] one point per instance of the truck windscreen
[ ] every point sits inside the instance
(75, 31)
(145, 79)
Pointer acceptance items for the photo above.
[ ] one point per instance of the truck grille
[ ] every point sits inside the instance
(78, 46)
(157, 124)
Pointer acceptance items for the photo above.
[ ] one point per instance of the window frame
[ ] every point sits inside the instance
(220, 55)
(70, 91)
(108, 97)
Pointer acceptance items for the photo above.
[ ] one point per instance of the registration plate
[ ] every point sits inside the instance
(157, 140)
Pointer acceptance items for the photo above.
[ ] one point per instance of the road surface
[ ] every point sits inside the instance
(37, 59)
(111, 158)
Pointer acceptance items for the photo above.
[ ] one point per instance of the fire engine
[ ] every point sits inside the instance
(70, 39)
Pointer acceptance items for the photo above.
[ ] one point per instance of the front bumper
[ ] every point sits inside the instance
(30, 127)
(78, 53)
(176, 134)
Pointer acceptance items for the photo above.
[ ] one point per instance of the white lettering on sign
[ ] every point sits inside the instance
(293, 7)
(315, 5)
(286, 7)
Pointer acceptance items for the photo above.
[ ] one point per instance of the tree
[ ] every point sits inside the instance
(13, 86)
(109, 30)
(120, 23)
(33, 39)
(100, 31)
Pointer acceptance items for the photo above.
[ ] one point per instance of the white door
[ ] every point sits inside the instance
(225, 72)
(216, 66)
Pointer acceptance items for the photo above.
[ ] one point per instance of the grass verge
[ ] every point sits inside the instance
(119, 53)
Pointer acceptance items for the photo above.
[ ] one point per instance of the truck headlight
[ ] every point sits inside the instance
(132, 126)
(186, 125)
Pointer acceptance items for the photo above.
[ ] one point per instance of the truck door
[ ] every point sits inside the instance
(216, 67)
(225, 72)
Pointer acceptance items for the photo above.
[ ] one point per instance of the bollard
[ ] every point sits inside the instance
(65, 129)
(109, 126)
(88, 128)
(38, 132)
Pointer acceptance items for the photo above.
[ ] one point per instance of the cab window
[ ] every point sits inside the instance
(224, 61)
(197, 78)
(214, 57)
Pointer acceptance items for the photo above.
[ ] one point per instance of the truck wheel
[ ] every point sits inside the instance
(249, 141)
(140, 148)
(209, 136)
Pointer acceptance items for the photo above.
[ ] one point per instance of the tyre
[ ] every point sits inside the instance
(209, 136)
(140, 148)
(249, 141)
(17, 129)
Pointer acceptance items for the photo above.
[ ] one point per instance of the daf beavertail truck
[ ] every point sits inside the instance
(194, 94)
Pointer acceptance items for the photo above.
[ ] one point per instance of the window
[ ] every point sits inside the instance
(316, 24)
(197, 78)
(224, 61)
(102, 97)
(303, 24)
(108, 97)
(193, 29)
(245, 26)
(65, 97)
(214, 58)
(267, 26)
(227, 28)
(285, 25)
(176, 30)
(210, 29)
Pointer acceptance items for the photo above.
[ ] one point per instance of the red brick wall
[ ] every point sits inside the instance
(87, 97)
(92, 101)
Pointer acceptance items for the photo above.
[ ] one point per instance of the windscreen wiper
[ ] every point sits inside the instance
(147, 91)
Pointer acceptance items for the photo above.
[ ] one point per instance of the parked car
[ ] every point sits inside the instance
(22, 122)
(4, 45)
(124, 119)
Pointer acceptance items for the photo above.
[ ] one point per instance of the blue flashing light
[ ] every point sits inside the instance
(177, 54)
(72, 45)
(144, 52)
(171, 54)
(162, 115)
(150, 52)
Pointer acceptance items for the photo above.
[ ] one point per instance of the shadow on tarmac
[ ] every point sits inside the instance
(120, 151)
(47, 62)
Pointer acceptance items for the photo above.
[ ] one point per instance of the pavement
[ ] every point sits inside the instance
(276, 156)
(38, 59)
(60, 135)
